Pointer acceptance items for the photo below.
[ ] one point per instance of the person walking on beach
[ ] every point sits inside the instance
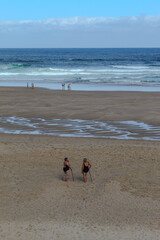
(85, 168)
(32, 85)
(66, 168)
(69, 86)
(63, 86)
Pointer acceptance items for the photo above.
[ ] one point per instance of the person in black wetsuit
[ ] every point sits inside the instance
(66, 168)
(85, 168)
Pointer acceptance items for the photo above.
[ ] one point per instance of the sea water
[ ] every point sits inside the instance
(86, 69)
(79, 128)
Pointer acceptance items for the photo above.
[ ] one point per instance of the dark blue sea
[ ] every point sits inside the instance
(84, 69)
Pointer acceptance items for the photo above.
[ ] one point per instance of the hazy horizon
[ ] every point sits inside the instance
(84, 24)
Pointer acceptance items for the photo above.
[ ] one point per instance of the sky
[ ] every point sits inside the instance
(79, 23)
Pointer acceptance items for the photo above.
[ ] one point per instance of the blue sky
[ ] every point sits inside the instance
(79, 23)
(42, 9)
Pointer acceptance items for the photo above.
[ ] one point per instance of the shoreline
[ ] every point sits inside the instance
(81, 86)
(73, 91)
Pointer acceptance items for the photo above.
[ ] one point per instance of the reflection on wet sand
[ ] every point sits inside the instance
(80, 128)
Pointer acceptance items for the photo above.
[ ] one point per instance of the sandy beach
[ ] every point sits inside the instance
(39, 102)
(122, 202)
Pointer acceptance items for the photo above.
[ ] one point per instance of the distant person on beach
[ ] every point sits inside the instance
(85, 168)
(69, 86)
(66, 168)
(63, 86)
(32, 85)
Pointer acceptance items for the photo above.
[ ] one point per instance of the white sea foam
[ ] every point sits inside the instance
(122, 67)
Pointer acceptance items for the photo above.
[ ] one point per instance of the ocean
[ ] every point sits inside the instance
(85, 69)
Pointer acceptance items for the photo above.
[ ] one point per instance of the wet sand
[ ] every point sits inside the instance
(122, 202)
(101, 106)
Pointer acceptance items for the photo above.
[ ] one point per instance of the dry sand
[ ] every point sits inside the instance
(122, 202)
